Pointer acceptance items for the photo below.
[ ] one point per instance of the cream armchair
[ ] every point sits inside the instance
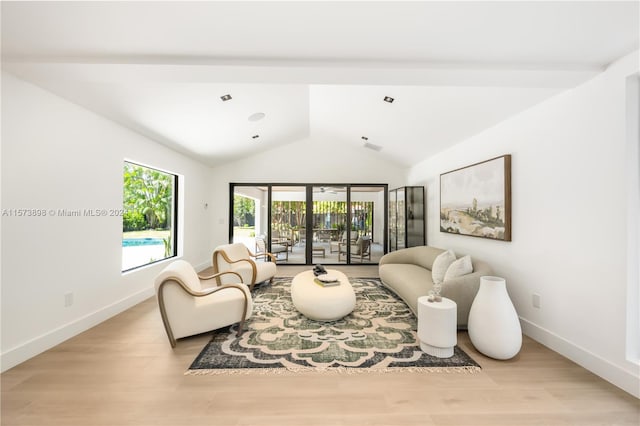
(191, 304)
(239, 259)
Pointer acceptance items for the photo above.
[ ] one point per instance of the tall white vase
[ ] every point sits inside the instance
(494, 327)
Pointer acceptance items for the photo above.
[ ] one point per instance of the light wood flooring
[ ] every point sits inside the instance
(123, 372)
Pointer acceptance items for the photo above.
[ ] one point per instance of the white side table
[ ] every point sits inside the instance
(437, 324)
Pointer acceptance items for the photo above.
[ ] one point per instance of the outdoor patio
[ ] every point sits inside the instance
(323, 252)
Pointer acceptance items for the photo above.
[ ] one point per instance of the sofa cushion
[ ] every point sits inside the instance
(458, 268)
(441, 264)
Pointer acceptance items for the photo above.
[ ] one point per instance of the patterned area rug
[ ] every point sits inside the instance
(379, 335)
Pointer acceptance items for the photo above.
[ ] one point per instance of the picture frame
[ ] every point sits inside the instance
(476, 200)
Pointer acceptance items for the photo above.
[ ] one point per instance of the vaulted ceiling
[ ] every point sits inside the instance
(316, 70)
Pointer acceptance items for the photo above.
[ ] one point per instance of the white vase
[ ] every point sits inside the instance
(494, 327)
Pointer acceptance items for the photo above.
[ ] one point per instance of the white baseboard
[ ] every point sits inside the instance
(615, 375)
(35, 346)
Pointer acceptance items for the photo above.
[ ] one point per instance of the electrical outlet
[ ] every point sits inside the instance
(535, 300)
(68, 299)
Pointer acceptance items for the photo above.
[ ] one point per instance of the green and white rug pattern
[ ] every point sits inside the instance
(379, 335)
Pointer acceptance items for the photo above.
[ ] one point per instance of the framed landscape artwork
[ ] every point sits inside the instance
(476, 200)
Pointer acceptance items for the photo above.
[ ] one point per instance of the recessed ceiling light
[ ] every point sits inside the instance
(257, 116)
(388, 99)
(364, 138)
(255, 136)
(225, 98)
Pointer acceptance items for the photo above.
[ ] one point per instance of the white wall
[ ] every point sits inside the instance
(569, 213)
(305, 161)
(57, 155)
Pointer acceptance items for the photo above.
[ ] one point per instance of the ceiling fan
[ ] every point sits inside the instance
(325, 190)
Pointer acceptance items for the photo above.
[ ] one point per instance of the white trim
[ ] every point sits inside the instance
(633, 221)
(37, 345)
(617, 376)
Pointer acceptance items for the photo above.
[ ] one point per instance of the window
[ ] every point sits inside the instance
(150, 216)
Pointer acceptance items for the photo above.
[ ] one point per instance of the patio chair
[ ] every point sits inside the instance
(281, 237)
(336, 244)
(261, 249)
(361, 249)
(343, 241)
(302, 237)
(192, 304)
(238, 258)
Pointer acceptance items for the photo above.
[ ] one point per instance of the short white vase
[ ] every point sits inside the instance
(494, 327)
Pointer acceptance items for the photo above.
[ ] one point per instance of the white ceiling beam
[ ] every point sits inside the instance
(293, 72)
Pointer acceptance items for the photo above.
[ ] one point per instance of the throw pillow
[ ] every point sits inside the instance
(458, 268)
(441, 265)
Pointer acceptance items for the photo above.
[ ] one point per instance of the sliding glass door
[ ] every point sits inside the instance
(329, 238)
(312, 223)
(288, 222)
(368, 223)
(248, 214)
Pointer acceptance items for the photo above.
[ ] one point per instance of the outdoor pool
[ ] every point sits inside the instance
(140, 251)
(135, 242)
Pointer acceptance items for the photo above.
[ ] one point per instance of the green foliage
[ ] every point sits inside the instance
(167, 246)
(243, 210)
(133, 220)
(150, 193)
(286, 215)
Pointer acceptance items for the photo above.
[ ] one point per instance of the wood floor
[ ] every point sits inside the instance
(123, 372)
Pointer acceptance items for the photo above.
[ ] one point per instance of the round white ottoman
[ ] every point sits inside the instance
(322, 303)
(437, 323)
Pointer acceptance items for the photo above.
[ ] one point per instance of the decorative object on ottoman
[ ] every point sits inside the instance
(494, 327)
(319, 270)
(437, 326)
(322, 302)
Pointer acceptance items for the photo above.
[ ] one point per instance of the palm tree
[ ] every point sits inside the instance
(150, 192)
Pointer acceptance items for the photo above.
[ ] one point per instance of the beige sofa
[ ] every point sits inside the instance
(407, 273)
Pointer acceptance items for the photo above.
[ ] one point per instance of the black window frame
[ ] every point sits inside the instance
(309, 213)
(175, 213)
